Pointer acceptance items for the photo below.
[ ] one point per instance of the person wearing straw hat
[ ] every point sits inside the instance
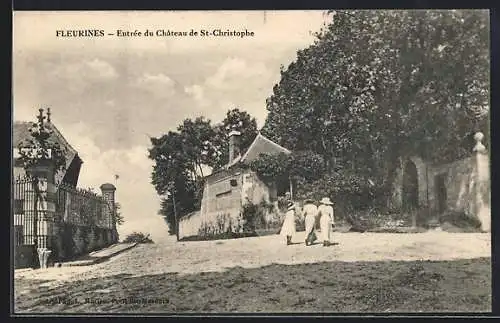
(325, 211)
(288, 228)
(310, 213)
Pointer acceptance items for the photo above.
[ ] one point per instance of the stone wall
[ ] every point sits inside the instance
(396, 201)
(189, 225)
(458, 179)
(466, 181)
(69, 241)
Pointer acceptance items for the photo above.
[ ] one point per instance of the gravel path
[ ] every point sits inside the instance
(369, 272)
(169, 256)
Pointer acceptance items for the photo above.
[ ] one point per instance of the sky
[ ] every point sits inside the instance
(109, 94)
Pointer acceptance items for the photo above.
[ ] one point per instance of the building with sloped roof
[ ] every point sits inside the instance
(228, 189)
(69, 174)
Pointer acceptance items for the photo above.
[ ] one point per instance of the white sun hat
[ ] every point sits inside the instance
(326, 201)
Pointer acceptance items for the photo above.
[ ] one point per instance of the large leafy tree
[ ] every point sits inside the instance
(377, 85)
(235, 119)
(173, 174)
(182, 157)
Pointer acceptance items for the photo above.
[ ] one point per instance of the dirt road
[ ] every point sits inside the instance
(170, 274)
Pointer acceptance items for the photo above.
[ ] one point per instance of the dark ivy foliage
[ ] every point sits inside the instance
(38, 147)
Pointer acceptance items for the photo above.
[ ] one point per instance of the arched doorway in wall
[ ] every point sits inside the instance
(410, 186)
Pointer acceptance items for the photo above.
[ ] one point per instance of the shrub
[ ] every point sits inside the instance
(137, 237)
(250, 214)
(222, 228)
(461, 220)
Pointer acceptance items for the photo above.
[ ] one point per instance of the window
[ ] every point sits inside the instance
(222, 200)
(18, 206)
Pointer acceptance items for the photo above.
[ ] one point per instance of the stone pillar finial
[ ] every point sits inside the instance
(479, 147)
(40, 115)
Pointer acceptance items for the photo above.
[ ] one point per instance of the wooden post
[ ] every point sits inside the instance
(175, 216)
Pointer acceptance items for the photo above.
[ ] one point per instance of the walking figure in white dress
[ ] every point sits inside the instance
(310, 213)
(288, 228)
(325, 211)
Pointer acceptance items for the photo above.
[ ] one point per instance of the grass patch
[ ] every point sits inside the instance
(220, 236)
(399, 230)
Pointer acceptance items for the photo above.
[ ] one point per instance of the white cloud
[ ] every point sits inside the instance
(92, 70)
(196, 91)
(159, 84)
(235, 83)
(235, 72)
(101, 69)
(77, 76)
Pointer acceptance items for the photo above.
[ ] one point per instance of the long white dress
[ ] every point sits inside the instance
(326, 220)
(310, 213)
(288, 228)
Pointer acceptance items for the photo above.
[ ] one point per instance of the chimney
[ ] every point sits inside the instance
(234, 144)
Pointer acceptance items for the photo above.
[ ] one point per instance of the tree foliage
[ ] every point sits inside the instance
(235, 120)
(119, 219)
(377, 85)
(301, 166)
(182, 157)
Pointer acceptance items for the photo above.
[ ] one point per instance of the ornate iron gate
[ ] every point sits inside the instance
(30, 230)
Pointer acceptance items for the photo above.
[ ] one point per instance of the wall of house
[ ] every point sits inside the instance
(222, 202)
(254, 190)
(220, 207)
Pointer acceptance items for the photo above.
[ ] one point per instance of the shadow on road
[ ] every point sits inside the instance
(384, 286)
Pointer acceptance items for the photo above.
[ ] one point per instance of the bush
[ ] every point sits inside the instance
(137, 237)
(348, 190)
(250, 215)
(254, 216)
(363, 220)
(461, 220)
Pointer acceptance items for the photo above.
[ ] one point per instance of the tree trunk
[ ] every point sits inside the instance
(175, 216)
